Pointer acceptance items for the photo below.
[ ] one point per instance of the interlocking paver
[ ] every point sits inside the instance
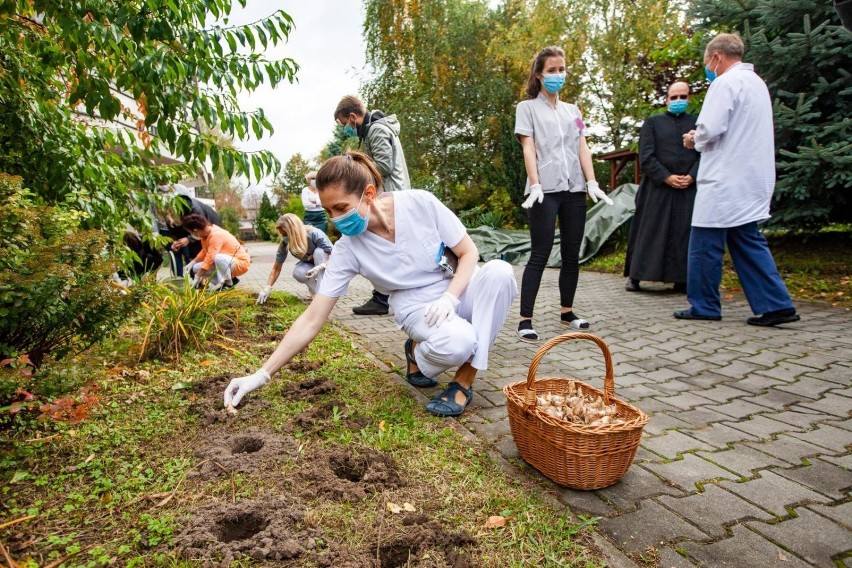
(774, 492)
(698, 381)
(744, 549)
(810, 536)
(714, 509)
(762, 427)
(825, 477)
(827, 436)
(718, 435)
(689, 471)
(831, 403)
(672, 443)
(841, 513)
(651, 525)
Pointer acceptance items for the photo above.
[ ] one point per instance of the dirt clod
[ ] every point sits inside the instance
(310, 389)
(425, 543)
(206, 402)
(243, 451)
(221, 533)
(304, 366)
(340, 474)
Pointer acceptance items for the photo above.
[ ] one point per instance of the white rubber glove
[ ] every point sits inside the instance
(536, 194)
(238, 388)
(187, 269)
(264, 294)
(595, 192)
(315, 270)
(441, 310)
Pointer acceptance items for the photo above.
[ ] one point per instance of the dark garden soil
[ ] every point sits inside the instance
(243, 451)
(342, 474)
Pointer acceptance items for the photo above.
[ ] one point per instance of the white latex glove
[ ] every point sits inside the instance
(238, 388)
(187, 269)
(264, 294)
(536, 194)
(595, 192)
(441, 310)
(315, 270)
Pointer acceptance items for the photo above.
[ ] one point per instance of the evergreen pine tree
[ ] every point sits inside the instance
(799, 48)
(267, 215)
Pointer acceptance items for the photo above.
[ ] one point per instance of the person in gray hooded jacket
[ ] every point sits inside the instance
(379, 136)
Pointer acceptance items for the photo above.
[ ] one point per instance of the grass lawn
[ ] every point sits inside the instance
(816, 268)
(332, 464)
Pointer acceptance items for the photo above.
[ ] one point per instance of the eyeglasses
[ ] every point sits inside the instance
(679, 97)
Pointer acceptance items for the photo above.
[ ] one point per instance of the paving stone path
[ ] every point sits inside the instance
(745, 460)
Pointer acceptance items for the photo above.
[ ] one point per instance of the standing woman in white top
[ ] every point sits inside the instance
(314, 213)
(559, 173)
(398, 240)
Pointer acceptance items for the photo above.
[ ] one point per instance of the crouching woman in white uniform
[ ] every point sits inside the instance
(393, 239)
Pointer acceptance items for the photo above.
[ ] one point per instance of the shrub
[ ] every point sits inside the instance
(178, 318)
(230, 220)
(56, 291)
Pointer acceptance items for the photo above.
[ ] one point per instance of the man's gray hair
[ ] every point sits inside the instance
(729, 45)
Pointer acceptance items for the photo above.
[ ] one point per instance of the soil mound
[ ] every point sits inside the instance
(310, 389)
(206, 401)
(244, 451)
(318, 418)
(304, 366)
(220, 533)
(424, 543)
(343, 475)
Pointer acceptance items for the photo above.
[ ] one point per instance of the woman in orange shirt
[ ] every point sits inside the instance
(222, 257)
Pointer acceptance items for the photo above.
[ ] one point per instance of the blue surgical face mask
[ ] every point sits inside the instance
(711, 75)
(678, 107)
(553, 82)
(349, 131)
(313, 183)
(351, 223)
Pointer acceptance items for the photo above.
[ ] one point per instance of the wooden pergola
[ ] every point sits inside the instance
(618, 160)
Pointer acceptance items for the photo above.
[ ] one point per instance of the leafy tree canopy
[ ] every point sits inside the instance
(155, 75)
(291, 180)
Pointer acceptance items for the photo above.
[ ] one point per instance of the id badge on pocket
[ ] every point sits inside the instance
(446, 260)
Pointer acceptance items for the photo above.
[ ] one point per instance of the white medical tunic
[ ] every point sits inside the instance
(736, 138)
(405, 269)
(556, 133)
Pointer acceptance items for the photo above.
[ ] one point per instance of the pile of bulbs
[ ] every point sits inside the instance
(578, 408)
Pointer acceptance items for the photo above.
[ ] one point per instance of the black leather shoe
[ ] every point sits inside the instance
(370, 308)
(688, 314)
(632, 285)
(777, 317)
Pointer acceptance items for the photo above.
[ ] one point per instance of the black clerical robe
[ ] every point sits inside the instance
(659, 236)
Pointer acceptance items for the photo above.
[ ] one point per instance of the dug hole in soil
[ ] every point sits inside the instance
(242, 452)
(268, 529)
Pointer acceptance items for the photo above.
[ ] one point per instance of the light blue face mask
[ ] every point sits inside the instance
(678, 107)
(711, 75)
(351, 223)
(349, 131)
(553, 82)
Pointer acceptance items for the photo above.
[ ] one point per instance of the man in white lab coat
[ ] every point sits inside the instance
(736, 179)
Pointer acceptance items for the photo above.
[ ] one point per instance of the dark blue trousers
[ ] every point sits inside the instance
(762, 284)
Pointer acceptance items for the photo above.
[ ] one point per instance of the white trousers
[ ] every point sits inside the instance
(221, 270)
(302, 267)
(481, 313)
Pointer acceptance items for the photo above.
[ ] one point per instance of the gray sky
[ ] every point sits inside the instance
(327, 44)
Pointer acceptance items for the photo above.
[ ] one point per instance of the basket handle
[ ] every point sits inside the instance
(609, 379)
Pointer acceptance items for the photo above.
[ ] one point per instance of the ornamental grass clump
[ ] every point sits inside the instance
(179, 317)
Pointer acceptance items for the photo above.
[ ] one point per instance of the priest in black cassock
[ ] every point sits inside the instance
(659, 237)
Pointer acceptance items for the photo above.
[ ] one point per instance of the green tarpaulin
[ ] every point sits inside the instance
(601, 222)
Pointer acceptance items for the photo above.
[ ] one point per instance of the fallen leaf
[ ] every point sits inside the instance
(496, 521)
(90, 458)
(781, 556)
(382, 425)
(393, 508)
(19, 476)
(143, 374)
(409, 507)
(206, 363)
(72, 433)
(181, 385)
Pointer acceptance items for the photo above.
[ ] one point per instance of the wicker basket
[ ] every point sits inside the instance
(573, 455)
